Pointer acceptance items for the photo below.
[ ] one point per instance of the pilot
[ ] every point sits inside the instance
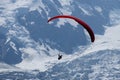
(59, 56)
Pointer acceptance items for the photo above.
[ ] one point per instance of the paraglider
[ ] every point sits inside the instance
(59, 56)
(85, 25)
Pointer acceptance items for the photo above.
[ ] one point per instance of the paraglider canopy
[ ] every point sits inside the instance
(85, 25)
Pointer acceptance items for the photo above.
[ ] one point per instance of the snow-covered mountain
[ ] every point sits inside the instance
(29, 46)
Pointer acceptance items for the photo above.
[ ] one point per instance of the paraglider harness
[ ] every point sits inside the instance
(59, 56)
